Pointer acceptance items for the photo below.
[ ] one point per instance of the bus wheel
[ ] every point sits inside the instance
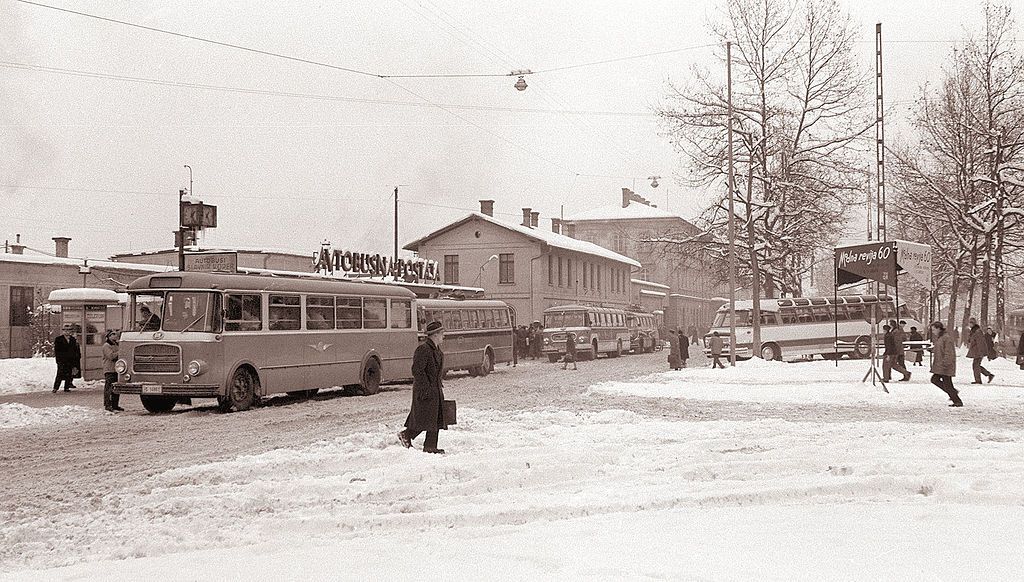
(770, 352)
(241, 392)
(862, 348)
(158, 404)
(371, 377)
(487, 366)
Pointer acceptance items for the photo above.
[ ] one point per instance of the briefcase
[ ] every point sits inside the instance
(448, 411)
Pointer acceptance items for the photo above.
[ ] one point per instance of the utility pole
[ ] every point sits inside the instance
(181, 227)
(732, 226)
(396, 225)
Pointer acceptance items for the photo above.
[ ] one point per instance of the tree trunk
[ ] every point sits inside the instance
(986, 282)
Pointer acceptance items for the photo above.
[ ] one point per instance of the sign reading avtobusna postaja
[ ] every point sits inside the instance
(374, 265)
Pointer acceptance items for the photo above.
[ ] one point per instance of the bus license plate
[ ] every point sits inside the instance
(152, 389)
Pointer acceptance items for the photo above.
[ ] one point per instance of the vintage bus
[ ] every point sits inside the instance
(238, 338)
(598, 330)
(478, 332)
(643, 332)
(802, 327)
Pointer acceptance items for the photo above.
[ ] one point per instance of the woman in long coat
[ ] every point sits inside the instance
(673, 350)
(944, 362)
(426, 414)
(684, 349)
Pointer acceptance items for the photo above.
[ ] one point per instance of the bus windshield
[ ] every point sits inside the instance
(192, 311)
(722, 318)
(565, 319)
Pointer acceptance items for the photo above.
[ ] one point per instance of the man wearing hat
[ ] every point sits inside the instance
(427, 392)
(110, 354)
(68, 356)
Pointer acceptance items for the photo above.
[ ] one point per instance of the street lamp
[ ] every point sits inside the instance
(481, 273)
(520, 84)
(654, 181)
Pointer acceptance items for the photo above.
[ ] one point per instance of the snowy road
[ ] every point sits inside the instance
(611, 472)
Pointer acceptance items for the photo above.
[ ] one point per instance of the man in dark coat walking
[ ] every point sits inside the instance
(69, 358)
(977, 349)
(427, 414)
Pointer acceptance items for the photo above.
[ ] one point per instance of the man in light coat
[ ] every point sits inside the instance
(944, 362)
(427, 414)
(717, 345)
(110, 355)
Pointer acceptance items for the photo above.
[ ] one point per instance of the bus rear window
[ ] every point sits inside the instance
(285, 312)
(244, 313)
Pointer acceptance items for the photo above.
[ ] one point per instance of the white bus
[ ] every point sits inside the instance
(802, 327)
(598, 330)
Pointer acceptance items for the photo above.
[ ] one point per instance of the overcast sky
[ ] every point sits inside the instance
(293, 153)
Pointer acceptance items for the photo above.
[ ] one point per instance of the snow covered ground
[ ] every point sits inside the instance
(558, 493)
(19, 375)
(13, 415)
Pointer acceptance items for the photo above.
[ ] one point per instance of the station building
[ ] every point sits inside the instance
(528, 267)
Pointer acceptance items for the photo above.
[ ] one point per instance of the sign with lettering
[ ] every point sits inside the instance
(211, 262)
(881, 261)
(375, 265)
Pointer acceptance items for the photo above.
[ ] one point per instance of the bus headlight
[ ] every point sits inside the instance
(120, 366)
(196, 367)
(581, 340)
(547, 341)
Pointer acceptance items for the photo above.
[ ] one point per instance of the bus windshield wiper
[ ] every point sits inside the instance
(197, 320)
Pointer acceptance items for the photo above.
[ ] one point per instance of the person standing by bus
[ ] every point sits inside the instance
(944, 362)
(717, 344)
(69, 358)
(426, 414)
(891, 356)
(977, 350)
(684, 349)
(673, 349)
(110, 355)
(570, 351)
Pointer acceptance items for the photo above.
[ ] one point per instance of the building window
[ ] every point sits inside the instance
(599, 277)
(21, 306)
(570, 279)
(551, 270)
(506, 268)
(584, 274)
(451, 269)
(560, 271)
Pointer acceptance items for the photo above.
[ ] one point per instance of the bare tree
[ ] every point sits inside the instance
(799, 111)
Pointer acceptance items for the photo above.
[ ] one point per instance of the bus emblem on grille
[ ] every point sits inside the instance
(320, 346)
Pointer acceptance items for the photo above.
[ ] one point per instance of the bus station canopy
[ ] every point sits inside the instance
(882, 261)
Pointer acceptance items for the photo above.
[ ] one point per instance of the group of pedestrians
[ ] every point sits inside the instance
(528, 342)
(68, 355)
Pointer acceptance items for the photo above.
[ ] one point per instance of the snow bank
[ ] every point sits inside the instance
(26, 374)
(13, 415)
(579, 491)
(821, 382)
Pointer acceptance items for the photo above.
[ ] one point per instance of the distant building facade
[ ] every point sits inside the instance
(528, 267)
(692, 295)
(248, 258)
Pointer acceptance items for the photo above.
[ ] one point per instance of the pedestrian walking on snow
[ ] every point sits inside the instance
(684, 349)
(944, 362)
(673, 349)
(427, 413)
(717, 344)
(978, 347)
(916, 353)
(69, 358)
(1020, 351)
(570, 351)
(891, 356)
(110, 354)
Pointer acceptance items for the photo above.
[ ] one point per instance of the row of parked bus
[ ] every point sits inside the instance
(238, 338)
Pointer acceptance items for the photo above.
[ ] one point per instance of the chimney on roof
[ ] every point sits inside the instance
(627, 195)
(17, 248)
(61, 246)
(556, 225)
(534, 219)
(487, 207)
(526, 217)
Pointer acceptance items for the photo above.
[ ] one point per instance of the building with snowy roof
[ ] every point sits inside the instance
(528, 267)
(633, 228)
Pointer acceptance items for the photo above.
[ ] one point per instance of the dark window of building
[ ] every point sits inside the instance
(570, 278)
(584, 274)
(599, 277)
(21, 306)
(560, 279)
(451, 269)
(506, 268)
(551, 270)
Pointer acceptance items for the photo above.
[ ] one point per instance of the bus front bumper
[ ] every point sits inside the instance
(154, 389)
(741, 352)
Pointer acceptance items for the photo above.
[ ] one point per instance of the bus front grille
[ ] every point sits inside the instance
(160, 358)
(557, 337)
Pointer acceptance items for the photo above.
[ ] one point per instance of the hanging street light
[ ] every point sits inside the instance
(520, 84)
(654, 181)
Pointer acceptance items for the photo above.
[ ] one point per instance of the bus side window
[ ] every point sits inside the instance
(244, 313)
(505, 320)
(319, 312)
(472, 319)
(350, 312)
(401, 314)
(492, 318)
(768, 318)
(375, 313)
(446, 319)
(285, 312)
(822, 313)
